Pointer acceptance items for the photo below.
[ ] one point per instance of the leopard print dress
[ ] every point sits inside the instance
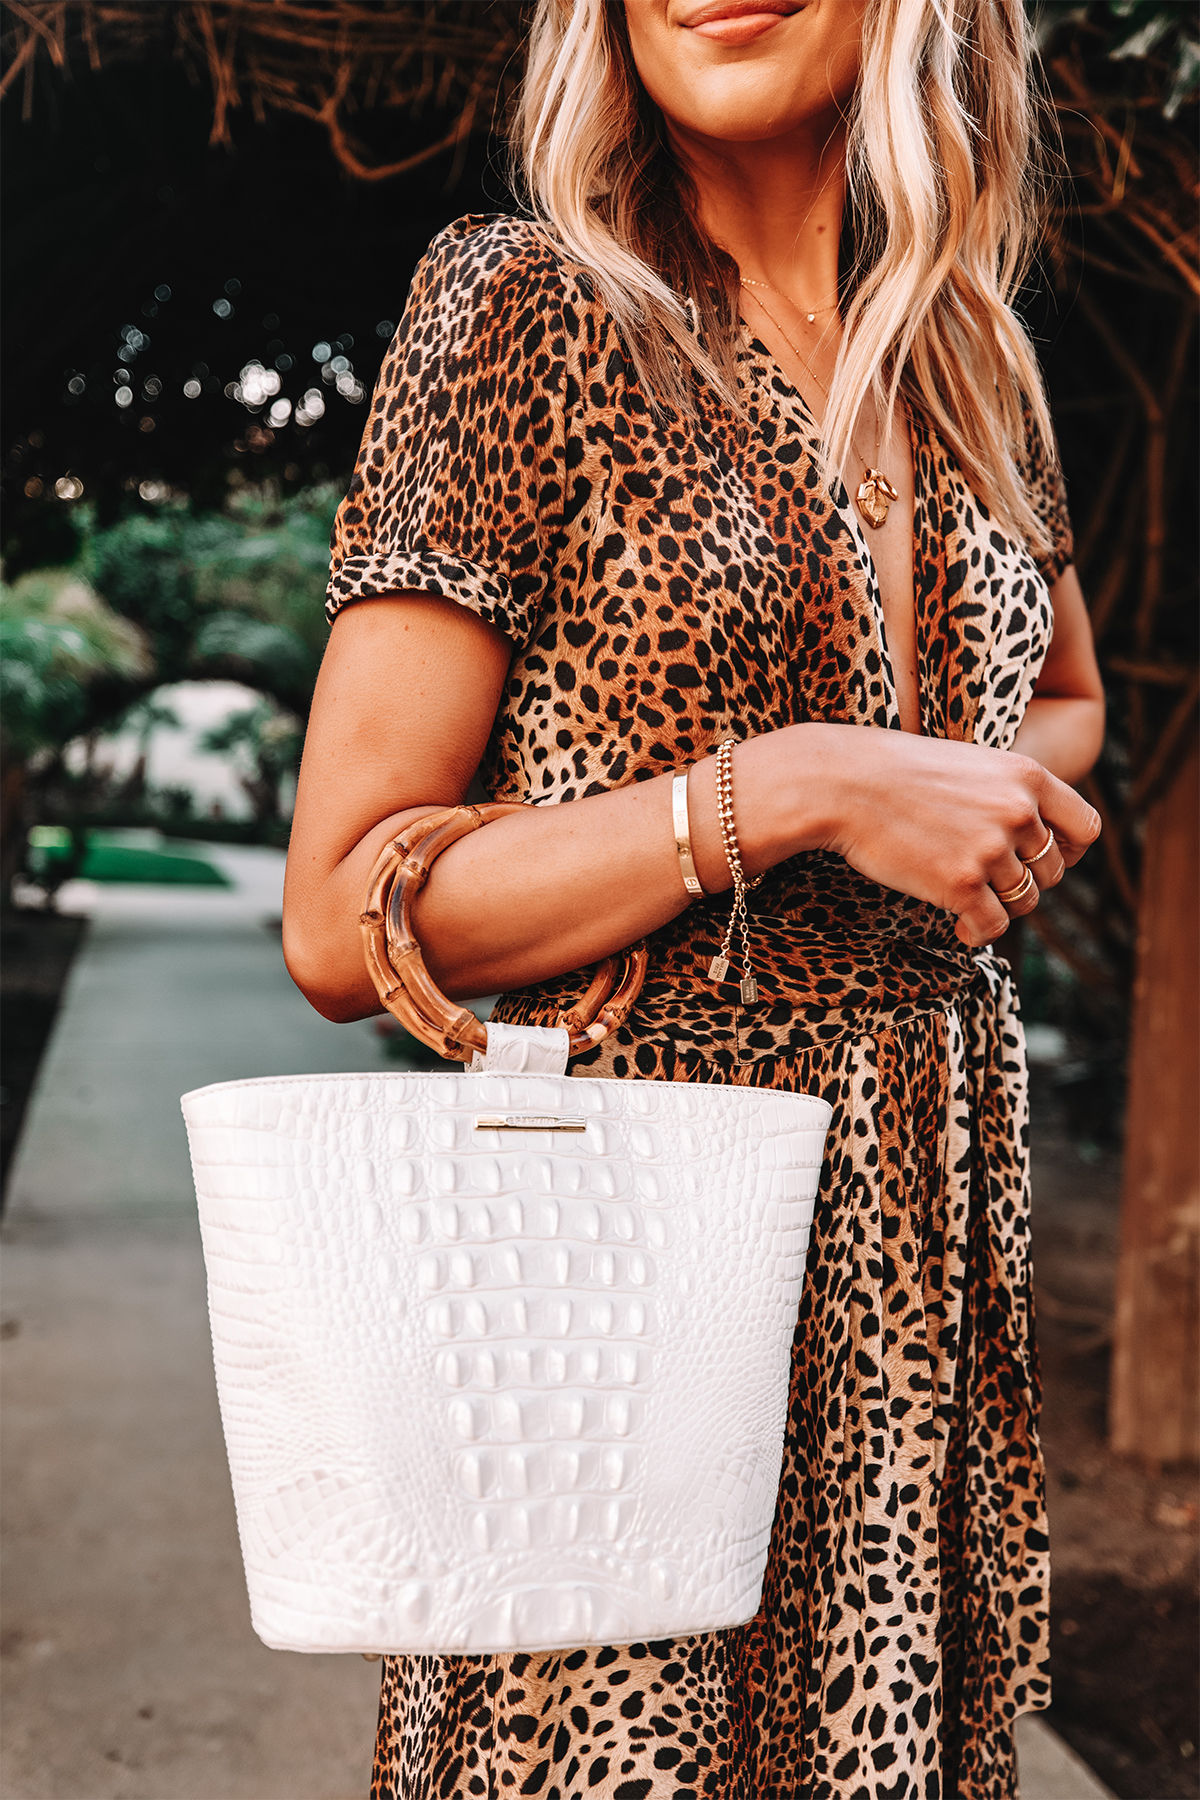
(667, 583)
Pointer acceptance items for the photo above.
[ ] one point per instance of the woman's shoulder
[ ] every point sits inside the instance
(483, 254)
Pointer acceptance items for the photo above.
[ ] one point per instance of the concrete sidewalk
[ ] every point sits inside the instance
(131, 1670)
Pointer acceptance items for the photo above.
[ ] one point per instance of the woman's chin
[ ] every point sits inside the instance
(745, 104)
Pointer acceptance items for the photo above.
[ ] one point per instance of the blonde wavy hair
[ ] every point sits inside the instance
(944, 190)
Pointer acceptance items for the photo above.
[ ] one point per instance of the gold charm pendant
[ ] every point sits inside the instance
(875, 495)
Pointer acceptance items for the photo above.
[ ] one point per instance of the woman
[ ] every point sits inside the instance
(739, 437)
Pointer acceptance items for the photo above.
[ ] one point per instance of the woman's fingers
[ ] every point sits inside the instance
(1072, 843)
(1046, 864)
(975, 825)
(1037, 852)
(984, 920)
(1067, 814)
(1034, 845)
(1015, 883)
(1015, 887)
(1055, 839)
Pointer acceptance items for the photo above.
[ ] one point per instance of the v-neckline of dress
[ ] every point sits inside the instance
(783, 391)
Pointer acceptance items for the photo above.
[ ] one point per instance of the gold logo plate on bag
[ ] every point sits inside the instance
(530, 1122)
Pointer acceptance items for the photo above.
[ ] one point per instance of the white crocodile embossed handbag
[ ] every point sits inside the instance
(502, 1357)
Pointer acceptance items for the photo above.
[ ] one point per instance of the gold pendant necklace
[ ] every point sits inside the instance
(875, 493)
(810, 316)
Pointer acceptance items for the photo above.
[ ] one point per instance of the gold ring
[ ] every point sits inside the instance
(1026, 886)
(1030, 860)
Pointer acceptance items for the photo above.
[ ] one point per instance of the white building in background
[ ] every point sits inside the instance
(173, 756)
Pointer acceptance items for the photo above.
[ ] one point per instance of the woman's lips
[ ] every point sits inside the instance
(736, 24)
(738, 31)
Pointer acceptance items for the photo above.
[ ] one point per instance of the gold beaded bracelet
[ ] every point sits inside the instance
(719, 967)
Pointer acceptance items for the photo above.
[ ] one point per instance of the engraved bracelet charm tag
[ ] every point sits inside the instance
(718, 968)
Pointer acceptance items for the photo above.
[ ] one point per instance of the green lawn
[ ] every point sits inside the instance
(112, 857)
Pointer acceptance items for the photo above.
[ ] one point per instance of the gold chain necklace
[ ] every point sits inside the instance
(810, 316)
(875, 492)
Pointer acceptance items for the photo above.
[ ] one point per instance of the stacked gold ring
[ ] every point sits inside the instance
(1014, 896)
(1028, 883)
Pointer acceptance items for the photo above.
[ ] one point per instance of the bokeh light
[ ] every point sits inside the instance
(311, 408)
(257, 385)
(225, 274)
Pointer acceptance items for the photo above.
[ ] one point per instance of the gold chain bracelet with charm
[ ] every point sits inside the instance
(719, 967)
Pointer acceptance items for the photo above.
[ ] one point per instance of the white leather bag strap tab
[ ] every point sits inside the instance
(522, 1050)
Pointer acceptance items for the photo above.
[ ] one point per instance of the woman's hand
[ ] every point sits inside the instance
(950, 822)
(946, 822)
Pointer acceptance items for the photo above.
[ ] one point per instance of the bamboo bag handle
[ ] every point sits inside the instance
(398, 969)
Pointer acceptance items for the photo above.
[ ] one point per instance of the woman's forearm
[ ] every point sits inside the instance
(1063, 734)
(552, 888)
(555, 888)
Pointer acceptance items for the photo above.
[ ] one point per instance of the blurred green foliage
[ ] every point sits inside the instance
(236, 594)
(156, 598)
(161, 598)
(264, 745)
(58, 639)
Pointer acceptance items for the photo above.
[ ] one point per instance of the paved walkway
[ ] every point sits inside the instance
(131, 1670)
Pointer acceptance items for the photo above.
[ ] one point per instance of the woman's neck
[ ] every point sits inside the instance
(775, 207)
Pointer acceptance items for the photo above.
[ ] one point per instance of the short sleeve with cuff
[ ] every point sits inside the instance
(459, 482)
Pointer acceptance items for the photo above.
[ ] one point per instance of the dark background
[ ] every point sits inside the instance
(112, 191)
